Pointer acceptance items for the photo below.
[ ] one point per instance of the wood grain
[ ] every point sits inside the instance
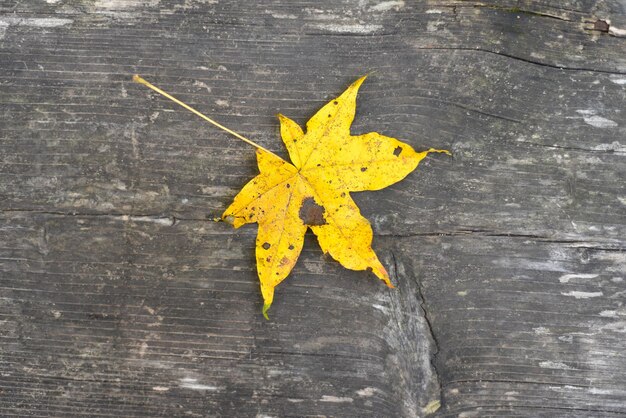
(120, 297)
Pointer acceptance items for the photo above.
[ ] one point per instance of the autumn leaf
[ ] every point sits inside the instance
(314, 192)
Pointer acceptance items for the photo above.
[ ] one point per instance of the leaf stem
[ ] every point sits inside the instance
(138, 79)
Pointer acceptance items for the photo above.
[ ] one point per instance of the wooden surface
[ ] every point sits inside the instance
(120, 297)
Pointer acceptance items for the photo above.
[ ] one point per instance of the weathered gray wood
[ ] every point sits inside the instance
(136, 317)
(119, 296)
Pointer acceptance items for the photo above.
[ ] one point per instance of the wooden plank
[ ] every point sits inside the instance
(130, 316)
(119, 296)
(524, 326)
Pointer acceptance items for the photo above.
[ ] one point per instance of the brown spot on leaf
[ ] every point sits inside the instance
(311, 213)
(266, 245)
(363, 169)
(288, 185)
(397, 151)
(291, 247)
(284, 261)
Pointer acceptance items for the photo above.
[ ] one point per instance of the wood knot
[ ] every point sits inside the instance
(601, 26)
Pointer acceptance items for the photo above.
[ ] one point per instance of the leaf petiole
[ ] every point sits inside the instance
(138, 79)
(266, 307)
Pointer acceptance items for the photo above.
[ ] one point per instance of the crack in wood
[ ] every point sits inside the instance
(427, 320)
(172, 220)
(520, 11)
(517, 58)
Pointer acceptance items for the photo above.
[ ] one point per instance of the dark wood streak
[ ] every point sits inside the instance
(120, 297)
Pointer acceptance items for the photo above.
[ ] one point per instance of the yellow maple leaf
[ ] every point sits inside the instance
(314, 192)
